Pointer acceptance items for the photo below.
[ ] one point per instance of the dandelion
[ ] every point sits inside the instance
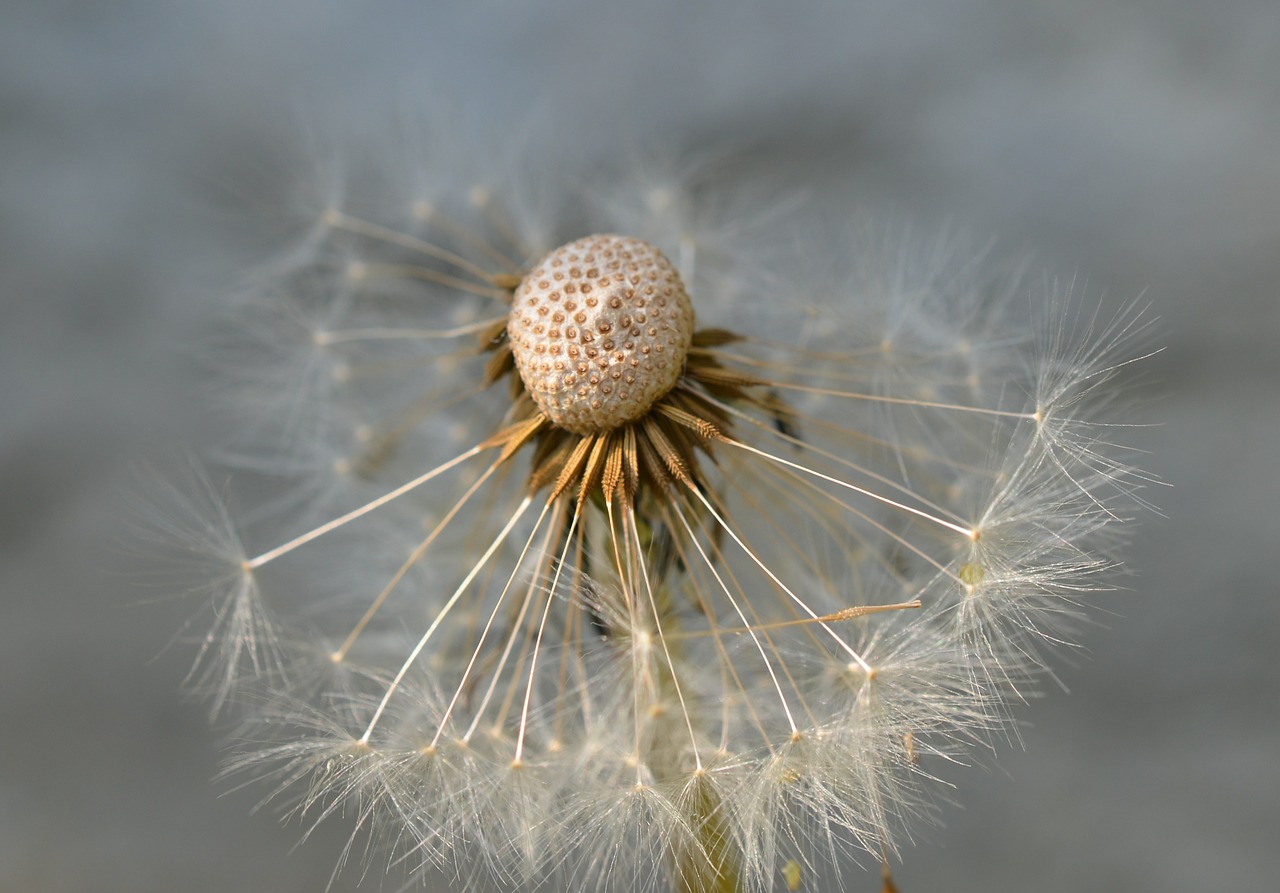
(611, 552)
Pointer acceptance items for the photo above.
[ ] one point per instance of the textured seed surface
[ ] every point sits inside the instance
(600, 329)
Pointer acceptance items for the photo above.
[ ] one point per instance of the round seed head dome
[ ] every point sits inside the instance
(599, 329)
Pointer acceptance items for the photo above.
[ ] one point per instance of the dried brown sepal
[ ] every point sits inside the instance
(714, 338)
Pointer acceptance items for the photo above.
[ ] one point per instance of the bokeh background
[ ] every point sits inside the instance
(1133, 145)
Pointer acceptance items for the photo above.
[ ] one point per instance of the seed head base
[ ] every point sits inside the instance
(600, 330)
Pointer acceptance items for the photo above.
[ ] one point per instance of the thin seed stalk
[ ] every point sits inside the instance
(709, 862)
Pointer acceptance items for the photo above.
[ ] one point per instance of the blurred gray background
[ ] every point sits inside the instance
(1134, 143)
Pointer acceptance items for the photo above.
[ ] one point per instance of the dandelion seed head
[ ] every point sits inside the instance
(605, 600)
(600, 329)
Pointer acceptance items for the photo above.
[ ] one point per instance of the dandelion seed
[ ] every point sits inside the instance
(664, 594)
(793, 875)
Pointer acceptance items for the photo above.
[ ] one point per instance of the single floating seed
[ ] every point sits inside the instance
(600, 329)
(791, 874)
(971, 574)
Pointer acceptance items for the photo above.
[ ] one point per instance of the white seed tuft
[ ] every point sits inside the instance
(600, 329)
